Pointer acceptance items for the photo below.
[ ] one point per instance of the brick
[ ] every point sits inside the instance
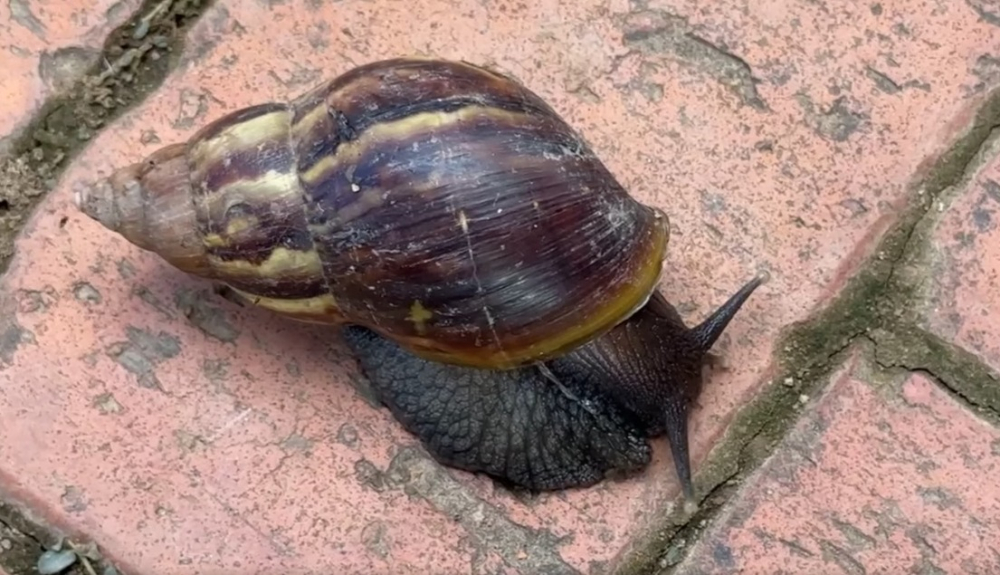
(44, 47)
(871, 480)
(774, 134)
(964, 297)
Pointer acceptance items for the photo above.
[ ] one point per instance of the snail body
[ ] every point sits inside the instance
(495, 282)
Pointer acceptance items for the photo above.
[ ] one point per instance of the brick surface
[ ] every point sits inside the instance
(44, 46)
(212, 439)
(965, 296)
(871, 480)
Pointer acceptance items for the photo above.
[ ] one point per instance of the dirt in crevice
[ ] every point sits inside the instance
(23, 540)
(133, 62)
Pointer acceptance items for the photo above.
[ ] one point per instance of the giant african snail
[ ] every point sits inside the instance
(495, 282)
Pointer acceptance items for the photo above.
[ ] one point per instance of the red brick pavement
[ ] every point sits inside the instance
(775, 134)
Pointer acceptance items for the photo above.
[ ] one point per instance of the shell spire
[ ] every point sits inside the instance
(149, 204)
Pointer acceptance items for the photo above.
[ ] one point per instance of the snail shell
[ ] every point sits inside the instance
(438, 203)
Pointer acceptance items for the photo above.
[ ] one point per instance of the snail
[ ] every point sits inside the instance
(495, 282)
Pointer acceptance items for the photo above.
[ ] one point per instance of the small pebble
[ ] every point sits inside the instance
(141, 30)
(52, 562)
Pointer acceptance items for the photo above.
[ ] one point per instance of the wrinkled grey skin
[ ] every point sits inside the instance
(516, 426)
(570, 422)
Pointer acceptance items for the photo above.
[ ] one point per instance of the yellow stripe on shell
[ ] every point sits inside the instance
(282, 263)
(265, 190)
(407, 127)
(244, 135)
(319, 113)
(319, 309)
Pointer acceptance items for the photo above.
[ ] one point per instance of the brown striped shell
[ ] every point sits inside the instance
(438, 203)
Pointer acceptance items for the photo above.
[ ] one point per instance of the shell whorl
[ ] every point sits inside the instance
(438, 203)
